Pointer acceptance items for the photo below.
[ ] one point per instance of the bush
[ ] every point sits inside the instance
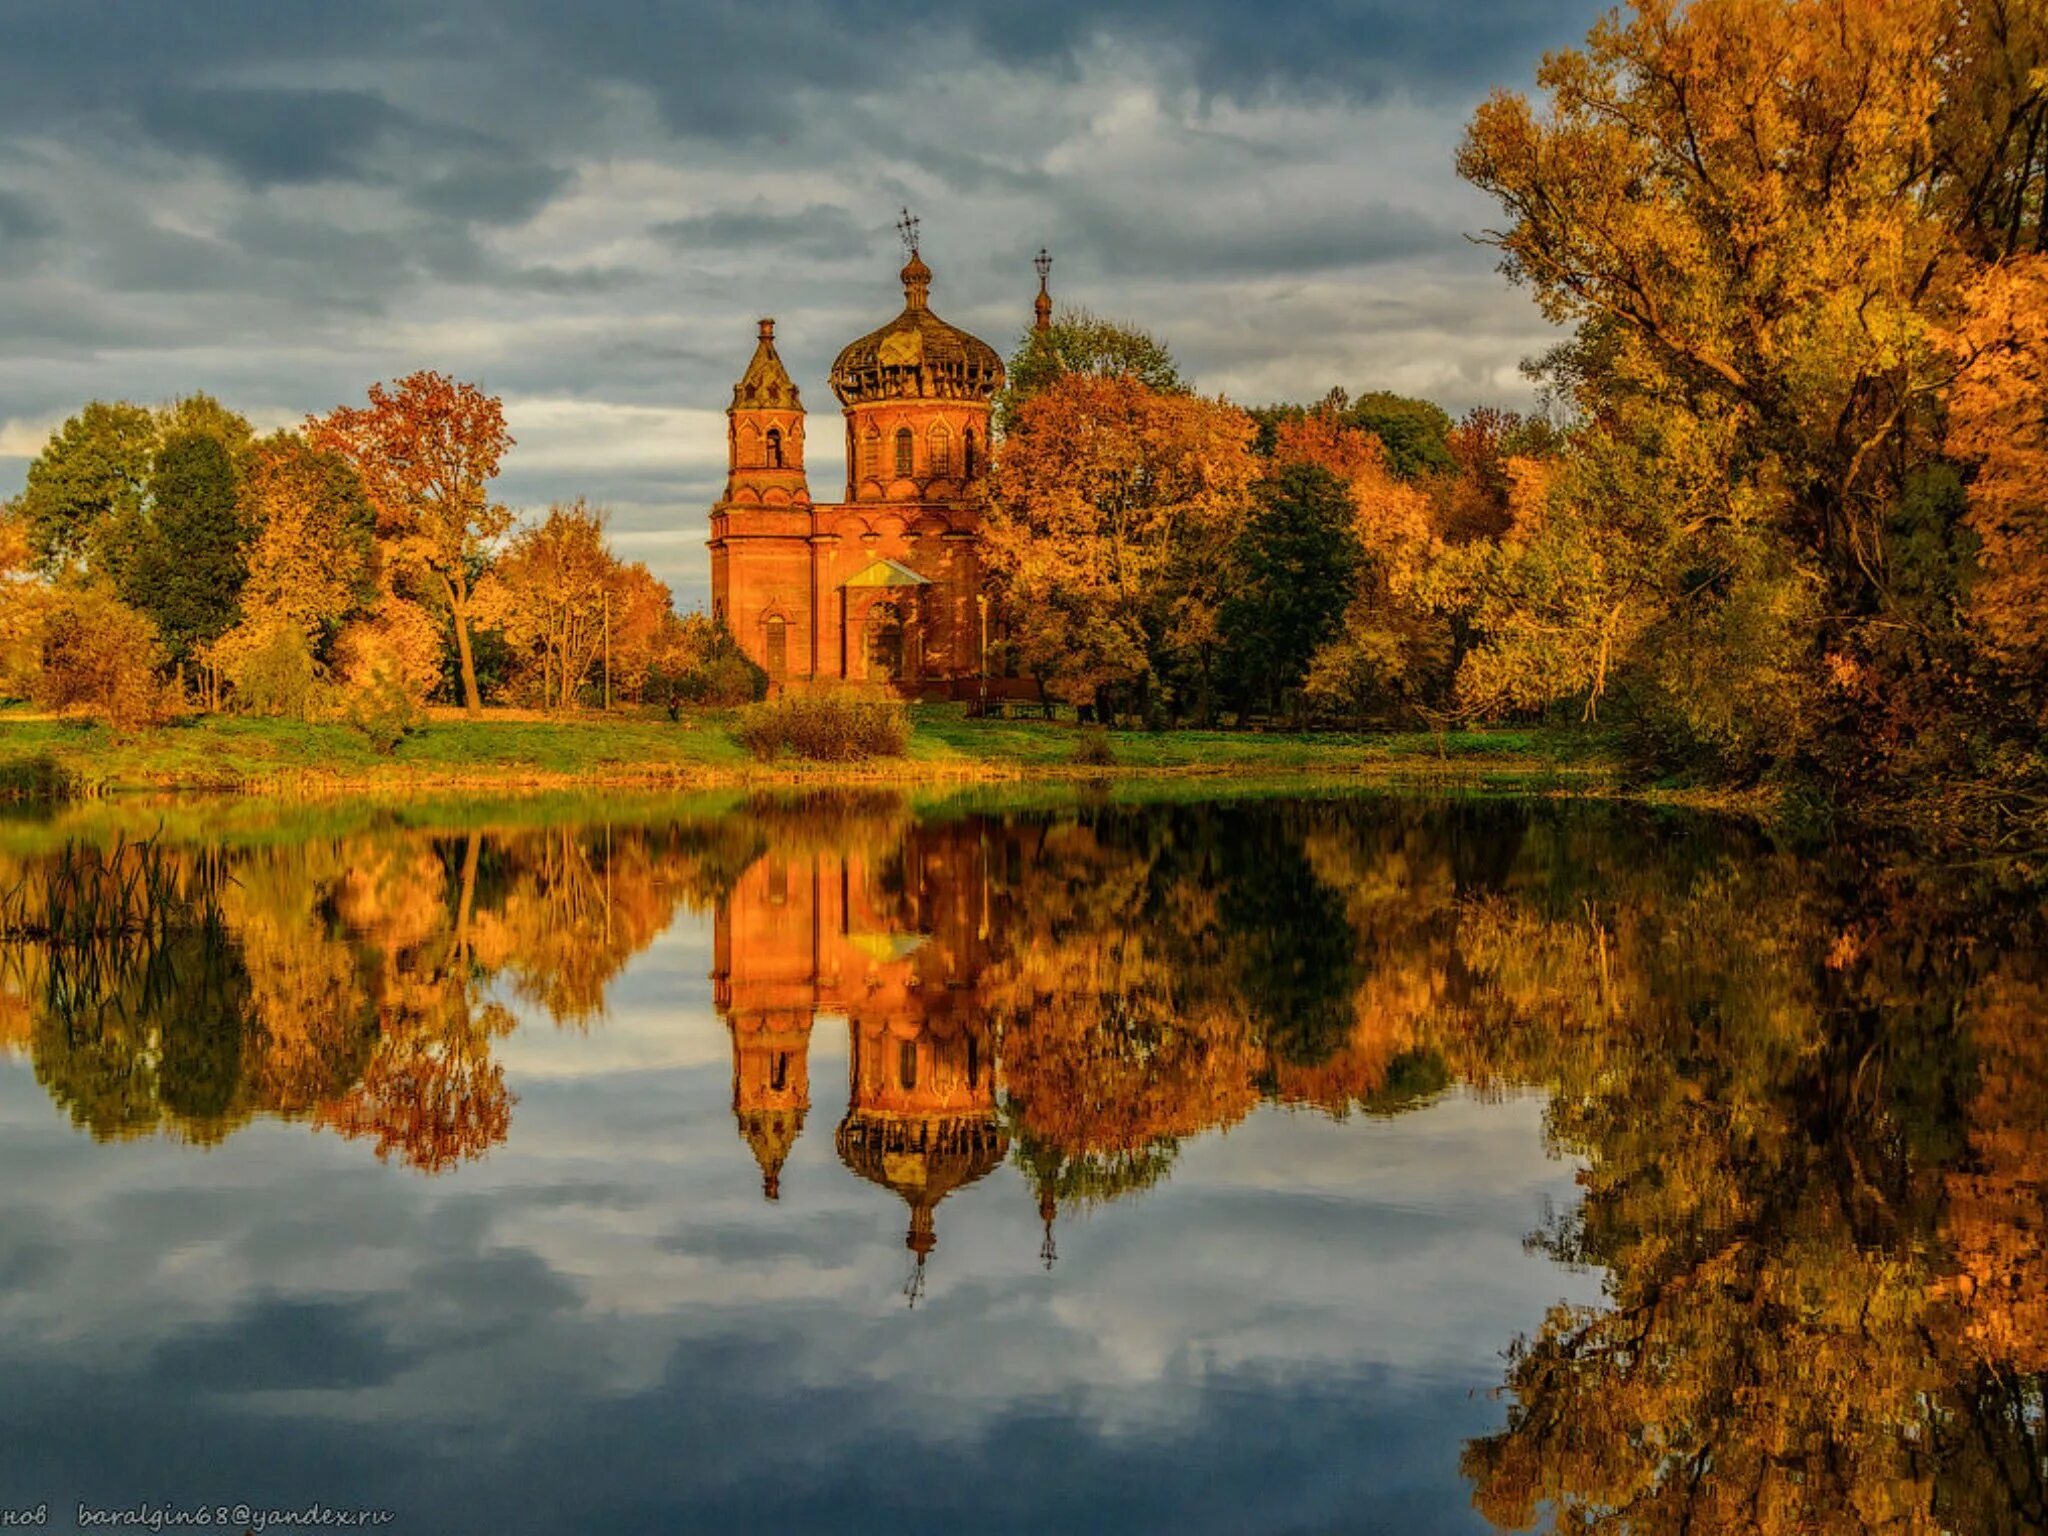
(273, 670)
(383, 711)
(98, 655)
(823, 728)
(1094, 750)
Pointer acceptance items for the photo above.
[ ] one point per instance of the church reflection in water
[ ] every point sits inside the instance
(893, 938)
(1805, 1093)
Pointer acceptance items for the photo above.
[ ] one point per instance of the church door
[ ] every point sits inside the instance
(885, 643)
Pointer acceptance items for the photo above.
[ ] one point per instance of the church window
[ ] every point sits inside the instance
(778, 1074)
(906, 1063)
(905, 446)
(775, 448)
(778, 645)
(942, 450)
(871, 454)
(967, 453)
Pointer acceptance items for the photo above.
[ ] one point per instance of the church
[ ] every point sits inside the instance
(881, 591)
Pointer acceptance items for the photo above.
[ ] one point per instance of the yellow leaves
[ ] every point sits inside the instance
(1113, 502)
(398, 641)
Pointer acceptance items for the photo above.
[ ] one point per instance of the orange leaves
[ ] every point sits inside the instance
(1114, 502)
(425, 447)
(1998, 416)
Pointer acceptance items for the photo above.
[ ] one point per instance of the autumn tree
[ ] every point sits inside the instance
(427, 449)
(96, 654)
(1761, 215)
(1389, 651)
(312, 555)
(1113, 505)
(549, 591)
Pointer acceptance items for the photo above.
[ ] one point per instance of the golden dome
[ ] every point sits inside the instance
(917, 355)
(922, 1158)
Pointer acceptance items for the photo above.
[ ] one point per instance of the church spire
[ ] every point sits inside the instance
(1042, 305)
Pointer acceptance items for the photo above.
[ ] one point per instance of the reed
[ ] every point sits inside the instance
(86, 897)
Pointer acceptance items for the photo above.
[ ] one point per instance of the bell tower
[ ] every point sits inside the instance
(760, 530)
(764, 433)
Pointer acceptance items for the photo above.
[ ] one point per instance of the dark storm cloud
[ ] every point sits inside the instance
(273, 136)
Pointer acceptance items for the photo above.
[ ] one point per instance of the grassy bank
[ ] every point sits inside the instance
(506, 753)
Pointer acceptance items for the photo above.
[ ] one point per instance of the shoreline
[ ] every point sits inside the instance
(53, 759)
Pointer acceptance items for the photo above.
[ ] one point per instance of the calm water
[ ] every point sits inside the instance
(1343, 1165)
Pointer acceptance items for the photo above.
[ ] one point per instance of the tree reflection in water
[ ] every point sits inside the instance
(1809, 1094)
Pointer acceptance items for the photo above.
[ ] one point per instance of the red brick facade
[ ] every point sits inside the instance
(883, 589)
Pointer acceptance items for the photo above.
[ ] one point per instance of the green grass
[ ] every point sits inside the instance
(648, 750)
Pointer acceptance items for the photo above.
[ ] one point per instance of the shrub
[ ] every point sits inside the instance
(272, 668)
(1094, 750)
(700, 663)
(99, 655)
(39, 778)
(382, 711)
(823, 728)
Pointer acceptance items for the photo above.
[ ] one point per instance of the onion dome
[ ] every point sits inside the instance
(917, 355)
(766, 383)
(923, 1158)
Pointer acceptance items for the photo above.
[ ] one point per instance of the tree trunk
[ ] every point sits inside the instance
(458, 609)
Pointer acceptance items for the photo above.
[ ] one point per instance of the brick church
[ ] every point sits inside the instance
(882, 591)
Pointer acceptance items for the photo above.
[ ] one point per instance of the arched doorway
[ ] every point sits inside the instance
(885, 642)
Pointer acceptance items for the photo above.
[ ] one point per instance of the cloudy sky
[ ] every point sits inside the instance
(584, 208)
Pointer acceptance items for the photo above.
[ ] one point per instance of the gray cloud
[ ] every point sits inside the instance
(273, 136)
(281, 204)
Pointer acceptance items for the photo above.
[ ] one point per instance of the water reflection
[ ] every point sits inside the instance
(1809, 1097)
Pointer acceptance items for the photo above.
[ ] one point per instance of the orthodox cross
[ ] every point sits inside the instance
(1042, 261)
(907, 228)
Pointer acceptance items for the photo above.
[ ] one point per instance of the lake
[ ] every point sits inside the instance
(1343, 1163)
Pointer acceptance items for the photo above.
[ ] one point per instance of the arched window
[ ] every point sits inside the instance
(905, 448)
(906, 1063)
(778, 1073)
(967, 453)
(941, 450)
(775, 448)
(871, 454)
(778, 645)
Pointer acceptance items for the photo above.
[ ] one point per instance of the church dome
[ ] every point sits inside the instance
(917, 355)
(922, 1158)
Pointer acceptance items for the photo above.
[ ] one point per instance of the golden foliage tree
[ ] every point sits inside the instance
(427, 448)
(1113, 503)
